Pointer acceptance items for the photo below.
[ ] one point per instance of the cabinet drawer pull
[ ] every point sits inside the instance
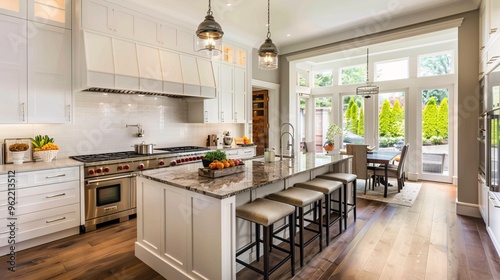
(55, 220)
(247, 152)
(6, 204)
(493, 30)
(16, 229)
(55, 176)
(55, 195)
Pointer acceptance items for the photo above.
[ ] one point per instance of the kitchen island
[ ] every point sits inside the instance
(186, 224)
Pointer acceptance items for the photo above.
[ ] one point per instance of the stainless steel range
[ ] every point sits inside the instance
(110, 180)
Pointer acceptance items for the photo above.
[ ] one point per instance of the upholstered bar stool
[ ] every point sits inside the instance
(264, 212)
(327, 187)
(300, 198)
(345, 179)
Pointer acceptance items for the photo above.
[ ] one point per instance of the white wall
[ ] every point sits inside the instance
(99, 125)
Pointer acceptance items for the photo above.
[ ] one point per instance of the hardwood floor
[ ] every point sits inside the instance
(425, 241)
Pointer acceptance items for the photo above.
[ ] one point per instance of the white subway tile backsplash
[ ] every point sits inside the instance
(99, 125)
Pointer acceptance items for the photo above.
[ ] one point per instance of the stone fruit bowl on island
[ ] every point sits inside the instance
(44, 148)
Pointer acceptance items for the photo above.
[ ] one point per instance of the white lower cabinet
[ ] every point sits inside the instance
(46, 207)
(184, 235)
(240, 153)
(483, 191)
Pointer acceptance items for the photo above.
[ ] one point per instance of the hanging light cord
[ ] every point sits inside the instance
(367, 76)
(268, 19)
(209, 12)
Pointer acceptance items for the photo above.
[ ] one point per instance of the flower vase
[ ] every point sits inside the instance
(329, 146)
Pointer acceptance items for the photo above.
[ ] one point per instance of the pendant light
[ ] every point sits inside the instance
(268, 53)
(368, 90)
(209, 35)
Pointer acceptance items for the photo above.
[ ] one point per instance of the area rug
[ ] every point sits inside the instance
(406, 197)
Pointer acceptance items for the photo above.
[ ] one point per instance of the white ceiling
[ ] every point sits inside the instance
(295, 22)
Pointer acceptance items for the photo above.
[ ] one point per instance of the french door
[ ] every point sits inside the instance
(434, 136)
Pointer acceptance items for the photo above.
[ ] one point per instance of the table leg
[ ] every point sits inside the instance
(386, 183)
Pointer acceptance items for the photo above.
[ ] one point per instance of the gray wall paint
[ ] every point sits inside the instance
(468, 108)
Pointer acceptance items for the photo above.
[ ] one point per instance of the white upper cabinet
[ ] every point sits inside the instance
(16, 8)
(109, 18)
(49, 75)
(52, 12)
(185, 41)
(13, 70)
(151, 31)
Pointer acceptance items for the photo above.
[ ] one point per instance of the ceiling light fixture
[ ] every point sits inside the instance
(209, 35)
(368, 90)
(268, 52)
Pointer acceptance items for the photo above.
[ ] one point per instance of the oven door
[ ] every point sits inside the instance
(106, 196)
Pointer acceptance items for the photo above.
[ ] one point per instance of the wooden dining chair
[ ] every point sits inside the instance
(395, 171)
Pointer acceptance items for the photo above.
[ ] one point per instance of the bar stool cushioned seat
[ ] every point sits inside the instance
(345, 178)
(265, 212)
(327, 187)
(300, 198)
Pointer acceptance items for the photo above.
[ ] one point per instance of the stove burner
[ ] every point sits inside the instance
(183, 149)
(106, 156)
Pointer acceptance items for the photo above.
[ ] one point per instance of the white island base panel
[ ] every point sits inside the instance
(183, 234)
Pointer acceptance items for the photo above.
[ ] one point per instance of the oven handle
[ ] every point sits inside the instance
(111, 178)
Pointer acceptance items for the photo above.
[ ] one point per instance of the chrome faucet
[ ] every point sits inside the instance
(288, 143)
(140, 131)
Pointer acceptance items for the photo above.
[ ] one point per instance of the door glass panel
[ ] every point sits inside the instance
(323, 117)
(391, 121)
(353, 119)
(302, 122)
(435, 159)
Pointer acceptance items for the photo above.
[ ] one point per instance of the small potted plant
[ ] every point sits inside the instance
(332, 131)
(44, 148)
(17, 151)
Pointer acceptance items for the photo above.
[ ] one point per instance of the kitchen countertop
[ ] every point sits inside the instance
(34, 166)
(230, 148)
(257, 174)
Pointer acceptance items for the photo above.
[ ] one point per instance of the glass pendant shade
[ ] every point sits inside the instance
(268, 55)
(268, 52)
(209, 35)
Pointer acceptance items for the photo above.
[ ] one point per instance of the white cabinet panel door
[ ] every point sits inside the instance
(494, 17)
(167, 36)
(57, 13)
(13, 70)
(95, 16)
(49, 72)
(239, 107)
(146, 30)
(123, 22)
(15, 8)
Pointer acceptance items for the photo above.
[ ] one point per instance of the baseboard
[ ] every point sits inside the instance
(467, 209)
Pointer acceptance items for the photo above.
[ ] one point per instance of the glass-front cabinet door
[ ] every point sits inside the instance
(16, 8)
(52, 12)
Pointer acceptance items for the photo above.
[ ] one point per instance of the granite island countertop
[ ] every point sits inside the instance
(257, 174)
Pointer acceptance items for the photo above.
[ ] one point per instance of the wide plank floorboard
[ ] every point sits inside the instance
(425, 241)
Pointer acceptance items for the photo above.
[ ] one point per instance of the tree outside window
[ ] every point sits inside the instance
(323, 79)
(353, 75)
(435, 64)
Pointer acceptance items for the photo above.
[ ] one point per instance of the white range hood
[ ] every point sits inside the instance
(118, 65)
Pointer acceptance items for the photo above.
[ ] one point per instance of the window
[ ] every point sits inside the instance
(323, 79)
(352, 75)
(391, 70)
(391, 120)
(435, 64)
(302, 78)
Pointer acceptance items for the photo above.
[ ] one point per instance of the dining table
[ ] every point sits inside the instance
(382, 157)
